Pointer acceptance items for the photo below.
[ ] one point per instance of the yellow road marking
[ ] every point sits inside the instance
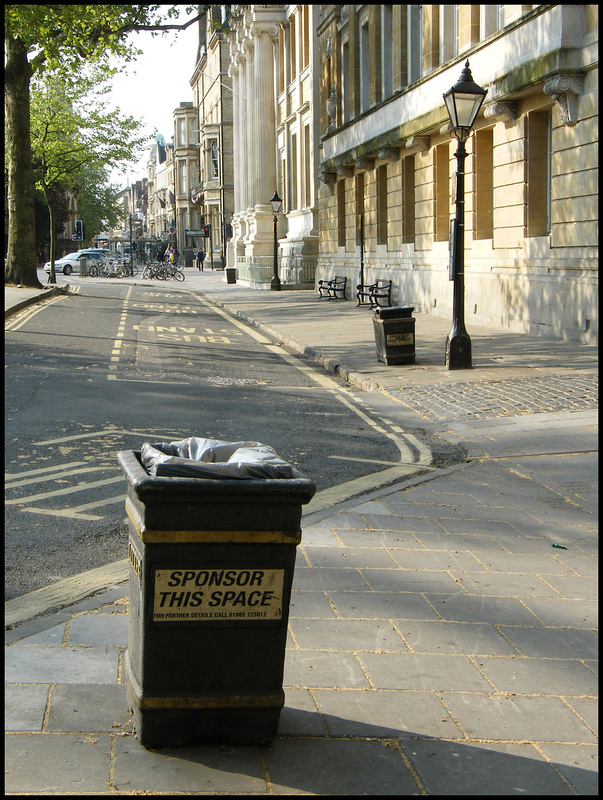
(56, 477)
(75, 511)
(17, 475)
(69, 490)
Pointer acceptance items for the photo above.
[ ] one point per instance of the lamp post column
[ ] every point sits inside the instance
(458, 341)
(275, 283)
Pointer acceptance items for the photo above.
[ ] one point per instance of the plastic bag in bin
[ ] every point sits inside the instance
(211, 458)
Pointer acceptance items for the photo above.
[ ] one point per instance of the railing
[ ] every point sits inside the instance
(292, 270)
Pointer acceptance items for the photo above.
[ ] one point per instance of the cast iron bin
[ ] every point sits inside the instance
(395, 334)
(211, 569)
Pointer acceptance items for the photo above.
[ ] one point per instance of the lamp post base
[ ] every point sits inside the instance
(458, 350)
(275, 284)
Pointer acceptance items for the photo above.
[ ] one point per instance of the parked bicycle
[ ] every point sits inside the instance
(110, 268)
(163, 272)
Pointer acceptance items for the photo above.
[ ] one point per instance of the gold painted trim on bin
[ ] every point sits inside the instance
(234, 701)
(208, 537)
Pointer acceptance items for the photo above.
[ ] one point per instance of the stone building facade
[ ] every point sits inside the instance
(212, 196)
(161, 200)
(274, 70)
(531, 235)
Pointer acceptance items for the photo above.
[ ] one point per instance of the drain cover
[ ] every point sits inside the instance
(237, 381)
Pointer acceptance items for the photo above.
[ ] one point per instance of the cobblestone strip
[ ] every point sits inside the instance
(492, 399)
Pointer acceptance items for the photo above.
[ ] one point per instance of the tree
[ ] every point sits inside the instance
(70, 131)
(97, 205)
(40, 37)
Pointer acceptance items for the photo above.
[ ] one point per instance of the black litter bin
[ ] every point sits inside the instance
(395, 334)
(211, 569)
(231, 275)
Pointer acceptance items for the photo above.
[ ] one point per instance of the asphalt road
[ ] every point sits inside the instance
(112, 366)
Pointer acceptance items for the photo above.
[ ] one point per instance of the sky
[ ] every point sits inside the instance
(153, 85)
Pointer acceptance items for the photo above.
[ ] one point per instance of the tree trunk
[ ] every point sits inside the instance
(20, 266)
(52, 276)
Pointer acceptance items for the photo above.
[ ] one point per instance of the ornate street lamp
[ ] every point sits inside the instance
(276, 203)
(463, 102)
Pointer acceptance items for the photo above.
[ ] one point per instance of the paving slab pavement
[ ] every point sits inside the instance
(442, 633)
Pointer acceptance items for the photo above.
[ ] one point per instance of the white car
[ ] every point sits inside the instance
(71, 262)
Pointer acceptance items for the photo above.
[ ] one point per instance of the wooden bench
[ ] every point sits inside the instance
(333, 288)
(371, 294)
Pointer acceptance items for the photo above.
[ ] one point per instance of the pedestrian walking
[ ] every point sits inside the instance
(200, 256)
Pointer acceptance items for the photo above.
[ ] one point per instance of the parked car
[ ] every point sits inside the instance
(71, 262)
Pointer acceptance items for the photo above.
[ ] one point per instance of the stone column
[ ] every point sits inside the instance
(265, 122)
(251, 118)
(237, 72)
(263, 155)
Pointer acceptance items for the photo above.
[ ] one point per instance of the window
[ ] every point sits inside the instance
(305, 35)
(408, 200)
(538, 173)
(448, 19)
(414, 38)
(307, 171)
(382, 204)
(387, 62)
(214, 171)
(281, 62)
(293, 184)
(345, 71)
(293, 46)
(488, 20)
(359, 202)
(442, 192)
(364, 68)
(483, 202)
(183, 177)
(341, 213)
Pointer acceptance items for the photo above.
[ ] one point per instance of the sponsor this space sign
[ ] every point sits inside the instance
(185, 595)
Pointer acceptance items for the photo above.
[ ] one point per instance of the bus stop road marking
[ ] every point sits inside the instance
(58, 492)
(104, 432)
(75, 512)
(57, 476)
(11, 476)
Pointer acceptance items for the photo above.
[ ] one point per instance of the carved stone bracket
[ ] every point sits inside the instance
(329, 178)
(420, 142)
(364, 163)
(390, 154)
(345, 172)
(504, 110)
(564, 89)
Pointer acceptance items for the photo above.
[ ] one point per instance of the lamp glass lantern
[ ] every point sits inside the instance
(463, 102)
(276, 203)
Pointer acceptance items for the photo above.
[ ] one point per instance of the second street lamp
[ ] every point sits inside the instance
(463, 102)
(275, 202)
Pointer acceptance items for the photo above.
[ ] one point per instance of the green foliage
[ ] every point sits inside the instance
(97, 203)
(64, 36)
(69, 127)
(63, 39)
